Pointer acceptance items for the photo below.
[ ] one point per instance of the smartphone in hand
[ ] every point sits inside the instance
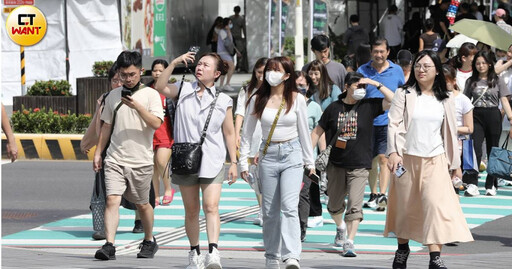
(400, 170)
(313, 177)
(126, 92)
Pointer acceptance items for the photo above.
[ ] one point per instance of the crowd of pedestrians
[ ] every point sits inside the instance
(393, 118)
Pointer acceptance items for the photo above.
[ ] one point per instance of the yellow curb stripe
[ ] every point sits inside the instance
(67, 149)
(63, 149)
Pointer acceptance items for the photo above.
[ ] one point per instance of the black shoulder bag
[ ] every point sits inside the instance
(186, 157)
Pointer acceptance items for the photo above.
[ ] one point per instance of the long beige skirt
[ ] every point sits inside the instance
(422, 205)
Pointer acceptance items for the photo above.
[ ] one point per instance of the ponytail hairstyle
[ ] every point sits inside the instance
(466, 50)
(492, 77)
(222, 66)
(325, 83)
(290, 87)
(254, 80)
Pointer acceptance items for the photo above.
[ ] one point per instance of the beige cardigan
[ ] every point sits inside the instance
(400, 115)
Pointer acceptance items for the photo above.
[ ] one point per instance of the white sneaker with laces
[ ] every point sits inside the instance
(212, 260)
(272, 264)
(317, 221)
(195, 261)
(472, 191)
(292, 264)
(491, 192)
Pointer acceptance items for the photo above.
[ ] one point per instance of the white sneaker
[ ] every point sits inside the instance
(271, 264)
(341, 235)
(472, 191)
(457, 182)
(195, 261)
(212, 260)
(503, 182)
(228, 88)
(258, 220)
(491, 192)
(292, 264)
(314, 222)
(348, 249)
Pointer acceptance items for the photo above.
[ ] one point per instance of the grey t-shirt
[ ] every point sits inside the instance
(336, 71)
(492, 96)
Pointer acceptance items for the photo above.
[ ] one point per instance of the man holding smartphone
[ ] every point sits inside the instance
(131, 115)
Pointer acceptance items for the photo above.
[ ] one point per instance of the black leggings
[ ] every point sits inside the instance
(487, 124)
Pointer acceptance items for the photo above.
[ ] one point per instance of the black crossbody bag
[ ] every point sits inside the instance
(186, 157)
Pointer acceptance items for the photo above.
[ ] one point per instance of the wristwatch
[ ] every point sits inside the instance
(379, 86)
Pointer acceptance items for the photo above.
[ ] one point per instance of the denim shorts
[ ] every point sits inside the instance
(380, 140)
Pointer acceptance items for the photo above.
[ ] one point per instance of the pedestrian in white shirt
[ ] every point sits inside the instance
(192, 109)
(286, 148)
(393, 31)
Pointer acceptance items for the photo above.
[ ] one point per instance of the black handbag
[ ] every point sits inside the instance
(186, 157)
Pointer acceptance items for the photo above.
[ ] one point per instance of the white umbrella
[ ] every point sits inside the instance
(460, 39)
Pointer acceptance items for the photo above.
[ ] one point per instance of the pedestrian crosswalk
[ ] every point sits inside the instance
(238, 207)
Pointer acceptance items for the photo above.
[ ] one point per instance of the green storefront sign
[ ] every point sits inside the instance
(159, 30)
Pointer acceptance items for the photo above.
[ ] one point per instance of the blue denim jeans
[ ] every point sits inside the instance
(280, 173)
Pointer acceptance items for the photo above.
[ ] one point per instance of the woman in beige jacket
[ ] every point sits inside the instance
(422, 138)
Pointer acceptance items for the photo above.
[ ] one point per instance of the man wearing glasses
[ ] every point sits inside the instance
(381, 73)
(131, 115)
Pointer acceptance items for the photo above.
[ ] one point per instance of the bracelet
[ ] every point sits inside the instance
(235, 162)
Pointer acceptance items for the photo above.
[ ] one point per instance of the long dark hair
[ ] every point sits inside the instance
(254, 80)
(325, 83)
(263, 93)
(492, 78)
(439, 87)
(465, 50)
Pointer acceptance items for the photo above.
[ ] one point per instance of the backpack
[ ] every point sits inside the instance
(438, 44)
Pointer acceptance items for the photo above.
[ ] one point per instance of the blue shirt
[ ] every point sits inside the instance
(392, 77)
(335, 92)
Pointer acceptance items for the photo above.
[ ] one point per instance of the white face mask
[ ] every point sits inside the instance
(359, 93)
(274, 78)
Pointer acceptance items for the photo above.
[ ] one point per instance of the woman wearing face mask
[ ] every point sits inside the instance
(304, 83)
(486, 90)
(284, 150)
(327, 91)
(422, 146)
(223, 37)
(243, 96)
(192, 109)
(351, 156)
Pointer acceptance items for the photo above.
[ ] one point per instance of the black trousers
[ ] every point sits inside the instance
(487, 125)
(315, 206)
(304, 205)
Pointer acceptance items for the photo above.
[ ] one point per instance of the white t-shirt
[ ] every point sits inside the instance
(131, 143)
(423, 137)
(393, 29)
(290, 125)
(462, 106)
(461, 78)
